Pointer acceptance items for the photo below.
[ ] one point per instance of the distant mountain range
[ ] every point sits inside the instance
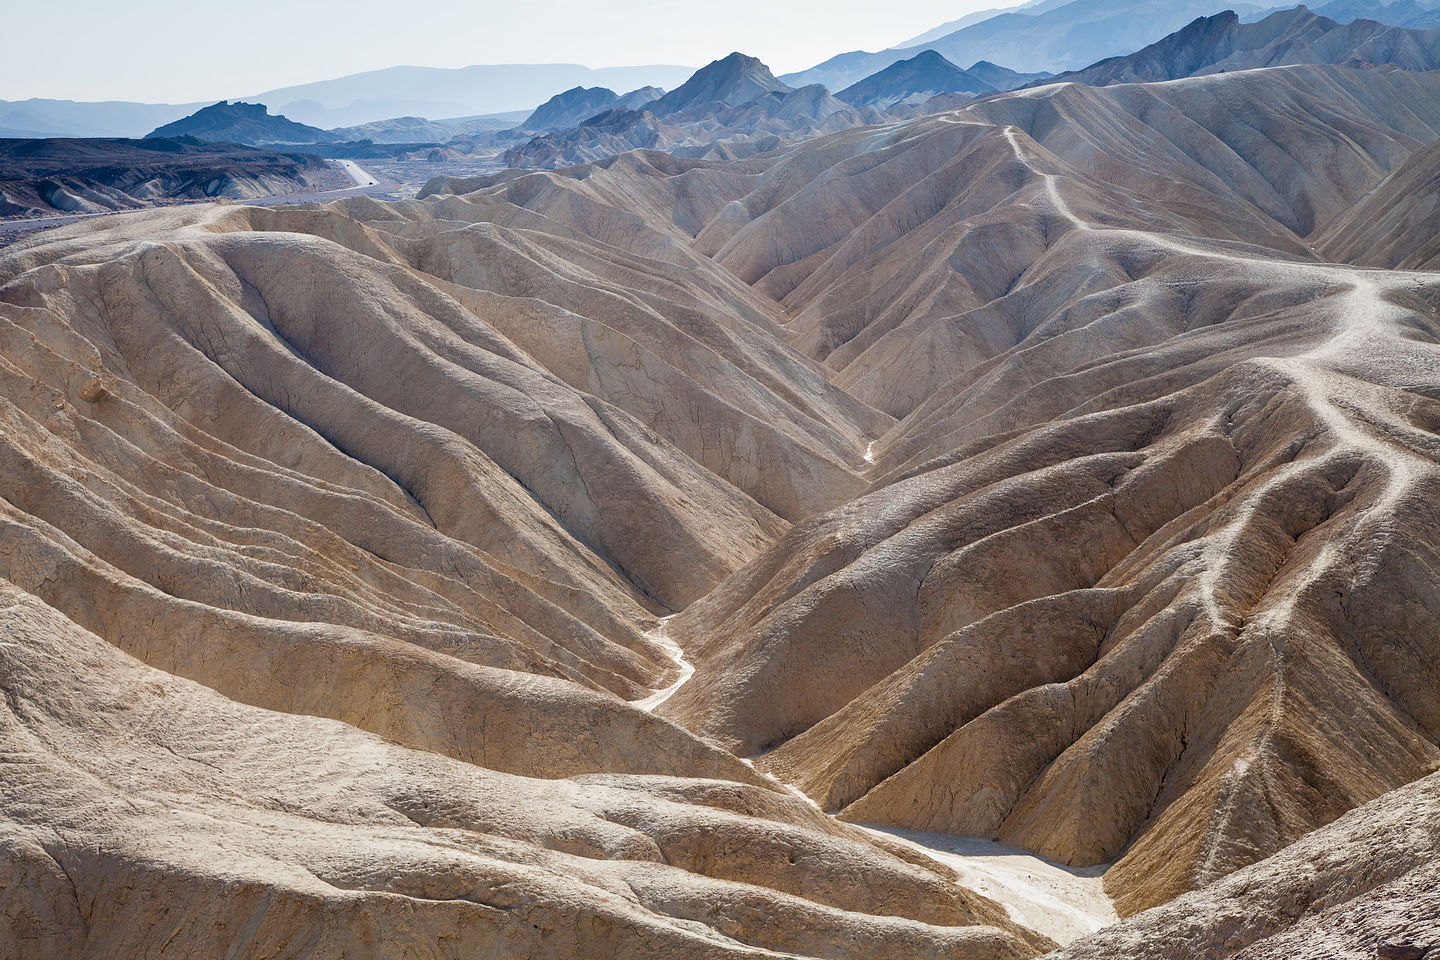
(1035, 39)
(945, 29)
(378, 95)
(737, 107)
(1222, 43)
(401, 104)
(1045, 38)
(1048, 36)
(70, 118)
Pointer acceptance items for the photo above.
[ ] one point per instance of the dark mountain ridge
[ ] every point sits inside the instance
(920, 78)
(245, 123)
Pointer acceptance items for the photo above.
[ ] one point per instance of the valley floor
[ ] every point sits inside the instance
(1063, 903)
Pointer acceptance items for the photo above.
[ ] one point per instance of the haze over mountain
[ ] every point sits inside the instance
(40, 118)
(1416, 14)
(427, 92)
(420, 130)
(950, 26)
(1045, 39)
(438, 93)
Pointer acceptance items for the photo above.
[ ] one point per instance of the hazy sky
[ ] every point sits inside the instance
(179, 51)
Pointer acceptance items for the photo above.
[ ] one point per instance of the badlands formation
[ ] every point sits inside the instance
(57, 176)
(648, 558)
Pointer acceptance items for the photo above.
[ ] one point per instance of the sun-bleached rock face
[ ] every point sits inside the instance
(1047, 470)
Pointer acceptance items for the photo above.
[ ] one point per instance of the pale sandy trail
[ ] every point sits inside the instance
(1063, 903)
(687, 669)
(1366, 327)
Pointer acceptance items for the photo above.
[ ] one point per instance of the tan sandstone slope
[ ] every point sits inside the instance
(1027, 471)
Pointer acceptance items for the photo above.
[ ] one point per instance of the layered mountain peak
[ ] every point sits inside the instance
(569, 108)
(734, 80)
(925, 75)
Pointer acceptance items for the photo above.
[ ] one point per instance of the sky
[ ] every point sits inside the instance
(180, 51)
